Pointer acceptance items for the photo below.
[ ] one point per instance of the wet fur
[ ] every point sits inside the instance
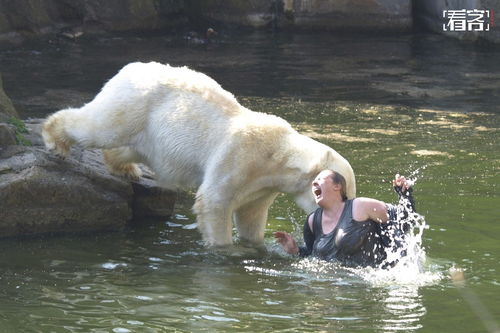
(193, 133)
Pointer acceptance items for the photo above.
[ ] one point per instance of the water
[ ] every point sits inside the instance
(420, 105)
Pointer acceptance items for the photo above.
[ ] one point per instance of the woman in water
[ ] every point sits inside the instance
(357, 232)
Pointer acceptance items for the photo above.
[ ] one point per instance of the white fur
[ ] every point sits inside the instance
(193, 133)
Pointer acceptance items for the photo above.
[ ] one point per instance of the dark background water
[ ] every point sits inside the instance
(416, 70)
(422, 105)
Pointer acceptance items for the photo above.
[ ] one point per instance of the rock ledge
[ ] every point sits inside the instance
(43, 193)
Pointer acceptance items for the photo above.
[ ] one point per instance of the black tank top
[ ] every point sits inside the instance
(351, 242)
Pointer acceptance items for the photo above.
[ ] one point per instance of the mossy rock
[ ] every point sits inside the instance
(7, 109)
(20, 131)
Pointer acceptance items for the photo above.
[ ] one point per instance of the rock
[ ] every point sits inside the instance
(43, 193)
(360, 15)
(40, 193)
(149, 200)
(254, 14)
(119, 15)
(34, 17)
(429, 13)
(7, 112)
(7, 135)
(7, 109)
(72, 19)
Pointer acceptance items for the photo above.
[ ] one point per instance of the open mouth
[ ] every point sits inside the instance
(317, 192)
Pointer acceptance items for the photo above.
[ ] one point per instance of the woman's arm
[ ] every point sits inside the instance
(378, 211)
(364, 209)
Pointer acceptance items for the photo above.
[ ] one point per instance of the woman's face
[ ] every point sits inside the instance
(323, 187)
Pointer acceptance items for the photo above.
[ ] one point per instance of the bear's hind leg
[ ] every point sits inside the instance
(120, 162)
(54, 134)
(251, 219)
(91, 126)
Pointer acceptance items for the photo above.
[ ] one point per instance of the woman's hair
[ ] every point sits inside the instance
(339, 179)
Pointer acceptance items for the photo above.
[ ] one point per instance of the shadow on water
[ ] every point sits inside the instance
(419, 105)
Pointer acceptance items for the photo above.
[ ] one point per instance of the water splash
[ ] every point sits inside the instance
(406, 258)
(406, 263)
(411, 266)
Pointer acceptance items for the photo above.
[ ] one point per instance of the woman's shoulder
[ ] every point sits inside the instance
(363, 203)
(366, 201)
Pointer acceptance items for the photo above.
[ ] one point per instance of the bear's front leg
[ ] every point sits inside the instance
(214, 220)
(251, 219)
(120, 162)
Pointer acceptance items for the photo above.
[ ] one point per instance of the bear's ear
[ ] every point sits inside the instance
(322, 162)
(329, 157)
(319, 163)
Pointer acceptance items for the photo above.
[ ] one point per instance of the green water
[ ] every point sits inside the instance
(419, 105)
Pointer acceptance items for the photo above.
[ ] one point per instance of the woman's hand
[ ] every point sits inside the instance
(403, 188)
(287, 242)
(402, 183)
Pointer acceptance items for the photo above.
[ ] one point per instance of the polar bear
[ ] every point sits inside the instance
(193, 133)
